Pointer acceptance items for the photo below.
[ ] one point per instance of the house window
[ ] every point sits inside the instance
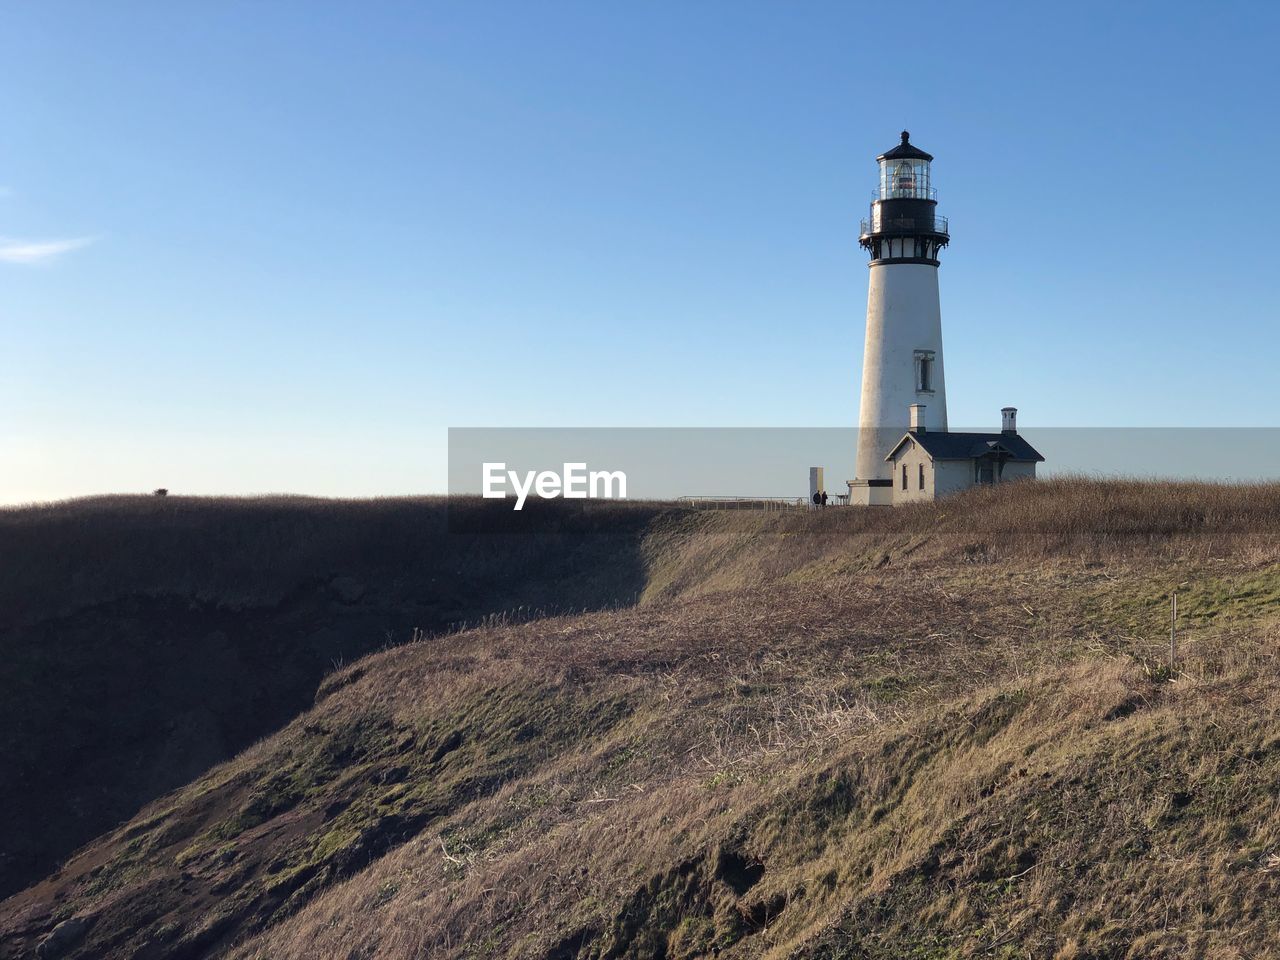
(922, 476)
(904, 476)
(924, 371)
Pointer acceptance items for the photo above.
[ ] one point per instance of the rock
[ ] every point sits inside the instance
(62, 938)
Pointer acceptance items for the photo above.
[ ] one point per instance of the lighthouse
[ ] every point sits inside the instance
(903, 383)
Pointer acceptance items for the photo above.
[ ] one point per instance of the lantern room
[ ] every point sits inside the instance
(904, 172)
(904, 222)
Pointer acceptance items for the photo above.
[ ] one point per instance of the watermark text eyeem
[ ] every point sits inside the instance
(575, 482)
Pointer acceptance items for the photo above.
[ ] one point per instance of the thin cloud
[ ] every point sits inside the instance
(38, 251)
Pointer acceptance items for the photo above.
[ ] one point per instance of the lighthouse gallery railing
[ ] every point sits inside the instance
(935, 225)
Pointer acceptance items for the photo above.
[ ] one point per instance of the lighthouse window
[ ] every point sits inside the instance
(924, 371)
(904, 180)
(922, 476)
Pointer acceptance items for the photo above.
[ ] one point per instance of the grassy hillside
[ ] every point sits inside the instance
(144, 639)
(949, 731)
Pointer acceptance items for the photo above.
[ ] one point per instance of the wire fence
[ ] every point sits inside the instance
(761, 503)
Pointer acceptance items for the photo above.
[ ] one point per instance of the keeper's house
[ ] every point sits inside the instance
(928, 464)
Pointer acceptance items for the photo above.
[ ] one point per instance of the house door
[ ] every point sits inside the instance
(986, 470)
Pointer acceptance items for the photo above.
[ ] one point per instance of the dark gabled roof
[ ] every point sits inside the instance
(905, 151)
(967, 446)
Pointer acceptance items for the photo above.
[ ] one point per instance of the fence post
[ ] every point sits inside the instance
(1173, 634)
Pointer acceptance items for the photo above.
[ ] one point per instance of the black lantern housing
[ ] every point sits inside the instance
(904, 226)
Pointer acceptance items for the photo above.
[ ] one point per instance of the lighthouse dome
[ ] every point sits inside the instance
(906, 150)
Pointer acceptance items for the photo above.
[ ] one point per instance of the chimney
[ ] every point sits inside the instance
(917, 418)
(1008, 419)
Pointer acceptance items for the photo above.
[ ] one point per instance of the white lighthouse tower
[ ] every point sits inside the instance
(902, 360)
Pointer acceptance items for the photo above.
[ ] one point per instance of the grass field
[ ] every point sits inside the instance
(144, 639)
(947, 731)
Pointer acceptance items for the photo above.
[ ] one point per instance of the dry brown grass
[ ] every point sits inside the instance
(1070, 518)
(1005, 788)
(198, 625)
(942, 732)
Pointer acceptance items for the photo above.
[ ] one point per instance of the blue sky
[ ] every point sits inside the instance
(283, 246)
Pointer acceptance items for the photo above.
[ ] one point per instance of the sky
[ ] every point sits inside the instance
(262, 247)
